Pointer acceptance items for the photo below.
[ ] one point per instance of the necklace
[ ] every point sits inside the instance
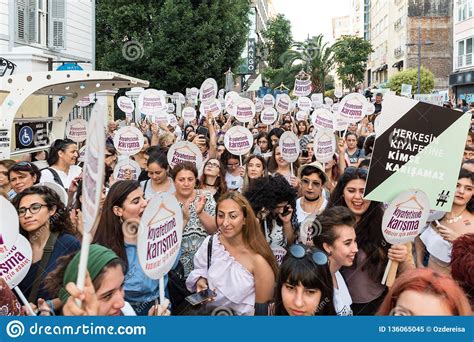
(317, 203)
(454, 219)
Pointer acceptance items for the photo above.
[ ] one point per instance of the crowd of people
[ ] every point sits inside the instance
(267, 237)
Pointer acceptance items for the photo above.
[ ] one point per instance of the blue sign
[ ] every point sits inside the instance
(26, 135)
(69, 66)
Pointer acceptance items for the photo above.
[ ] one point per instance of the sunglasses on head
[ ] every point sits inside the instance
(23, 166)
(298, 251)
(355, 170)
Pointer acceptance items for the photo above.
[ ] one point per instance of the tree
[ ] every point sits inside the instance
(278, 40)
(351, 54)
(410, 76)
(172, 43)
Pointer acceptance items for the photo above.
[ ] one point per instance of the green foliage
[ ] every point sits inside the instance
(410, 76)
(278, 39)
(181, 42)
(351, 54)
(329, 93)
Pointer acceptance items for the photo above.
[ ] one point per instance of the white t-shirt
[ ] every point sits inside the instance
(301, 215)
(66, 178)
(149, 192)
(233, 182)
(342, 297)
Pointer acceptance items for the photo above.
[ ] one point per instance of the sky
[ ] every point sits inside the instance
(312, 16)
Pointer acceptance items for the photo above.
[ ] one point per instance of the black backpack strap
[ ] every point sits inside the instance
(47, 251)
(56, 177)
(209, 251)
(146, 183)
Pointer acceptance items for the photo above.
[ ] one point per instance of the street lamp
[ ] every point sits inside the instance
(419, 43)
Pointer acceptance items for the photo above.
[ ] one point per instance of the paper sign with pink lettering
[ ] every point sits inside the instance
(268, 101)
(304, 103)
(160, 118)
(370, 108)
(268, 116)
(231, 100)
(283, 104)
(324, 145)
(245, 110)
(289, 146)
(76, 130)
(301, 115)
(172, 120)
(125, 104)
(84, 102)
(188, 114)
(238, 140)
(128, 140)
(353, 107)
(213, 106)
(302, 87)
(151, 101)
(323, 119)
(127, 169)
(16, 263)
(258, 106)
(159, 235)
(184, 151)
(9, 227)
(208, 91)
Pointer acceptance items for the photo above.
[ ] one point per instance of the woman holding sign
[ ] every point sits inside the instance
(364, 277)
(242, 268)
(277, 164)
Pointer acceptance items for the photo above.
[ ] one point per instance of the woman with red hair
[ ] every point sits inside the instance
(462, 264)
(423, 292)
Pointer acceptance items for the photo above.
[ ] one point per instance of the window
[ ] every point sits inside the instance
(464, 9)
(41, 22)
(464, 53)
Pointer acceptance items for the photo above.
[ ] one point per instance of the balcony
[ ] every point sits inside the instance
(464, 60)
(398, 52)
(397, 25)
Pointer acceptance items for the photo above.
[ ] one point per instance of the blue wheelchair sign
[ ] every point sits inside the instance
(26, 135)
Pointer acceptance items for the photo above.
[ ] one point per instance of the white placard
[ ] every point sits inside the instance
(160, 117)
(231, 100)
(85, 101)
(127, 169)
(17, 262)
(258, 106)
(302, 87)
(125, 104)
(328, 101)
(76, 130)
(238, 140)
(82, 154)
(317, 97)
(172, 120)
(151, 101)
(188, 114)
(301, 115)
(245, 111)
(208, 91)
(405, 216)
(9, 227)
(170, 107)
(338, 93)
(324, 145)
(341, 125)
(304, 103)
(213, 106)
(353, 107)
(268, 116)
(58, 189)
(159, 235)
(370, 108)
(129, 140)
(323, 119)
(283, 104)
(268, 101)
(335, 108)
(184, 151)
(289, 146)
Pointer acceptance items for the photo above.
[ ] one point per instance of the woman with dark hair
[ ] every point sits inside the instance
(188, 129)
(45, 222)
(23, 175)
(62, 163)
(158, 182)
(333, 171)
(198, 210)
(438, 238)
(274, 136)
(233, 175)
(369, 145)
(278, 165)
(423, 292)
(5, 185)
(242, 268)
(110, 156)
(364, 277)
(117, 230)
(304, 286)
(140, 157)
(213, 178)
(263, 143)
(275, 209)
(255, 167)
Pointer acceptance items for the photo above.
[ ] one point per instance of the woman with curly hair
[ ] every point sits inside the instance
(45, 222)
(364, 277)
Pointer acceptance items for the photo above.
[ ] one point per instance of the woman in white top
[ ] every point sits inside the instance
(438, 239)
(62, 163)
(336, 236)
(242, 269)
(277, 164)
(157, 168)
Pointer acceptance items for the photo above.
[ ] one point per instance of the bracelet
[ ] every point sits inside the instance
(51, 304)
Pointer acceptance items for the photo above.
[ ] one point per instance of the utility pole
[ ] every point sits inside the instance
(419, 43)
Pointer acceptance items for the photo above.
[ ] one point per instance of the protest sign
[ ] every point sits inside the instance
(304, 103)
(9, 227)
(370, 109)
(301, 115)
(324, 145)
(418, 145)
(283, 104)
(402, 222)
(58, 189)
(406, 90)
(14, 265)
(323, 119)
(208, 91)
(352, 107)
(231, 100)
(172, 120)
(127, 169)
(302, 87)
(84, 102)
(125, 104)
(289, 146)
(258, 106)
(268, 101)
(328, 101)
(245, 111)
(338, 93)
(129, 140)
(170, 108)
(184, 151)
(82, 154)
(212, 106)
(151, 101)
(238, 140)
(160, 117)
(188, 114)
(159, 237)
(317, 97)
(436, 99)
(268, 116)
(76, 130)
(335, 108)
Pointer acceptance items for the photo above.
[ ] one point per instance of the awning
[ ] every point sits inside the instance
(398, 64)
(255, 86)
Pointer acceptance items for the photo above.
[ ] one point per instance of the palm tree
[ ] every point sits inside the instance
(312, 56)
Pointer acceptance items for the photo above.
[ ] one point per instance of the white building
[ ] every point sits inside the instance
(341, 26)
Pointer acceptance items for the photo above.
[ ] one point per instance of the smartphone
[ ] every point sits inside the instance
(201, 130)
(304, 153)
(286, 211)
(200, 297)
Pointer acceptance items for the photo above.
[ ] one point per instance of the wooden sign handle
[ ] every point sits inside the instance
(390, 273)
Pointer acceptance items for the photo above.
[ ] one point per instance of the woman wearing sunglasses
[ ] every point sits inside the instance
(62, 163)
(239, 267)
(45, 222)
(364, 277)
(23, 175)
(213, 178)
(304, 286)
